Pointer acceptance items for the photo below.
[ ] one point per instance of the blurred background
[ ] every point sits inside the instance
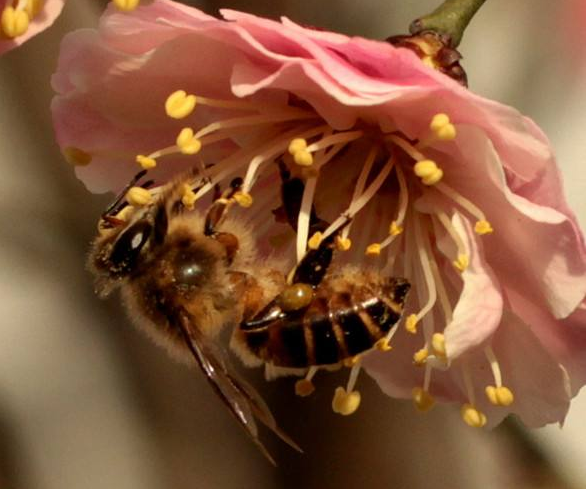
(87, 402)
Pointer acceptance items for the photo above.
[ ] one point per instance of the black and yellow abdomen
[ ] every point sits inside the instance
(342, 320)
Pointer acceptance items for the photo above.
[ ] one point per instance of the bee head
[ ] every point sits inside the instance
(123, 247)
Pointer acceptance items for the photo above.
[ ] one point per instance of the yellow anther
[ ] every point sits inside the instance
(438, 343)
(33, 7)
(499, 396)
(383, 345)
(343, 244)
(428, 171)
(303, 158)
(420, 357)
(189, 197)
(76, 156)
(472, 416)
(304, 387)
(126, 5)
(138, 196)
(446, 133)
(297, 145)
(438, 121)
(462, 262)
(14, 22)
(315, 241)
(411, 323)
(395, 229)
(483, 227)
(345, 403)
(373, 249)
(422, 399)
(187, 143)
(125, 213)
(146, 162)
(351, 361)
(243, 199)
(179, 104)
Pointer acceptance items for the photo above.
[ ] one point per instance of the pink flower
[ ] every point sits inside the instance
(459, 194)
(23, 19)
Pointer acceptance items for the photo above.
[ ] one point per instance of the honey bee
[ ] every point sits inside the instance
(185, 276)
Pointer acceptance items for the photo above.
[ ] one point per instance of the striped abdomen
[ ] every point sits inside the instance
(339, 323)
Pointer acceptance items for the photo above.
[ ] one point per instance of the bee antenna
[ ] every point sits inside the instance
(114, 207)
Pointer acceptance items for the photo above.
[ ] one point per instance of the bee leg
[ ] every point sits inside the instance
(291, 197)
(220, 206)
(346, 401)
(314, 265)
(304, 387)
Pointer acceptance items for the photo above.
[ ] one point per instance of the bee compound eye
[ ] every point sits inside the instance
(296, 296)
(127, 248)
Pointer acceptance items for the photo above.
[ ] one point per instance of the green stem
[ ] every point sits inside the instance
(450, 19)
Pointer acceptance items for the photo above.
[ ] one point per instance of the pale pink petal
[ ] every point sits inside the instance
(538, 249)
(480, 305)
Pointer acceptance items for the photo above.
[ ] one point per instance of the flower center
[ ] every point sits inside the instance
(16, 17)
(384, 185)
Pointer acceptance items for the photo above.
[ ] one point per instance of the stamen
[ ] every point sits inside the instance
(360, 202)
(179, 104)
(14, 22)
(420, 357)
(304, 217)
(373, 249)
(277, 147)
(441, 292)
(304, 387)
(32, 7)
(424, 261)
(471, 415)
(462, 261)
(422, 399)
(76, 156)
(187, 143)
(138, 196)
(341, 137)
(396, 227)
(315, 241)
(406, 146)
(411, 323)
(482, 226)
(243, 199)
(346, 401)
(146, 162)
(498, 395)
(126, 5)
(361, 182)
(442, 130)
(189, 198)
(253, 120)
(438, 343)
(343, 244)
(428, 171)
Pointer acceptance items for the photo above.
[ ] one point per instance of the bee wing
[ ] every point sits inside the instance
(241, 399)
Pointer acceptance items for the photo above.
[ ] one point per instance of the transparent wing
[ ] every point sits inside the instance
(241, 399)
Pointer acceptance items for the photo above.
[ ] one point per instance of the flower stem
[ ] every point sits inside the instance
(450, 19)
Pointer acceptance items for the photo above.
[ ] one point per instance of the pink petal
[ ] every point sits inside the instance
(554, 272)
(480, 306)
